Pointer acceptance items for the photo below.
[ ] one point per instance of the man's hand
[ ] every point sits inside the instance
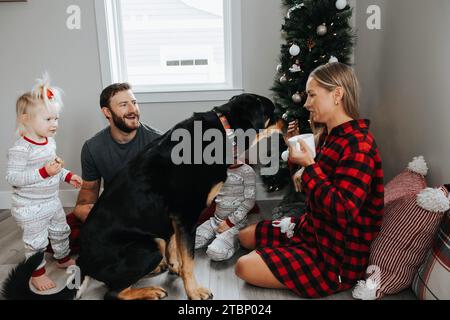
(223, 226)
(82, 211)
(86, 199)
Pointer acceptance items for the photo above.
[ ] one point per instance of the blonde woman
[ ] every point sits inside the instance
(326, 250)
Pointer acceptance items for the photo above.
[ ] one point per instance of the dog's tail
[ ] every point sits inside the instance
(17, 286)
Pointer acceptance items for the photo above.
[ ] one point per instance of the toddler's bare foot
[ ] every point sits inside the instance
(66, 264)
(42, 283)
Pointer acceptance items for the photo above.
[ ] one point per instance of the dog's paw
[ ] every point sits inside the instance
(162, 267)
(151, 293)
(174, 268)
(157, 293)
(200, 293)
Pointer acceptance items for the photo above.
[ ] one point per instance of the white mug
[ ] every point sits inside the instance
(293, 142)
(309, 139)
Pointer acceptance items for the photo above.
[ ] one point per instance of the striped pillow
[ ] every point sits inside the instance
(410, 181)
(432, 282)
(407, 232)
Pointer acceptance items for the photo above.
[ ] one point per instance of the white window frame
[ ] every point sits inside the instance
(113, 67)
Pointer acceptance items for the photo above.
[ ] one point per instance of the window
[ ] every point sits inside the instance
(171, 50)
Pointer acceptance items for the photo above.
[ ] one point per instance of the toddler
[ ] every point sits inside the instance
(34, 171)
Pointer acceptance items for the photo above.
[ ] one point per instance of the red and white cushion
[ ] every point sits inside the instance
(410, 181)
(407, 232)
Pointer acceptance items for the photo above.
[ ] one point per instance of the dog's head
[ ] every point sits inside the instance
(248, 111)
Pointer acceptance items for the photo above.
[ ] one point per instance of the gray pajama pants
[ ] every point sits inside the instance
(41, 221)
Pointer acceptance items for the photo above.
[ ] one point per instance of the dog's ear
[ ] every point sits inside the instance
(252, 110)
(268, 109)
(248, 111)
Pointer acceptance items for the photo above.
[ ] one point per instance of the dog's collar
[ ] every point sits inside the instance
(228, 131)
(226, 125)
(224, 122)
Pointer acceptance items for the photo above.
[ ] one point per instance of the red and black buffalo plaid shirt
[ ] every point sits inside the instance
(329, 251)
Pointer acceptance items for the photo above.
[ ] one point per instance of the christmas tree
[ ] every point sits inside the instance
(316, 32)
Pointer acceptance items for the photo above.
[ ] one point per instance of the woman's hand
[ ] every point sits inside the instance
(292, 131)
(297, 179)
(301, 154)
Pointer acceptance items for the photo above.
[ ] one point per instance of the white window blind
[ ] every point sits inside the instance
(171, 45)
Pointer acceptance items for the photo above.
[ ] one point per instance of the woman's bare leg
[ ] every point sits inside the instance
(247, 237)
(252, 269)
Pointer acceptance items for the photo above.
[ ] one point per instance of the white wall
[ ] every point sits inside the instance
(34, 38)
(404, 70)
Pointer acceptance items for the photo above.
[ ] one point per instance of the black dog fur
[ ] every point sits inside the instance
(118, 239)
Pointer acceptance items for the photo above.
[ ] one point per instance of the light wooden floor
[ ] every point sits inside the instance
(219, 277)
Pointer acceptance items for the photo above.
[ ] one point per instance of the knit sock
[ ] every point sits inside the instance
(224, 246)
(204, 235)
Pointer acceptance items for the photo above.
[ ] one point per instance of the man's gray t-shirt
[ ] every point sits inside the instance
(103, 157)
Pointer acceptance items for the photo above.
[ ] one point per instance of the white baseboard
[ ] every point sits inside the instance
(69, 197)
(5, 200)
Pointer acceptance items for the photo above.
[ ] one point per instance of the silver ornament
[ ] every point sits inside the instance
(283, 79)
(294, 50)
(322, 30)
(333, 59)
(279, 67)
(341, 4)
(297, 98)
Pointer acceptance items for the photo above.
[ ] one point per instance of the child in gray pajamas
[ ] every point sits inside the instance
(35, 172)
(234, 201)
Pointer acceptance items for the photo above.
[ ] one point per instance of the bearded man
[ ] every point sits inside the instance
(109, 150)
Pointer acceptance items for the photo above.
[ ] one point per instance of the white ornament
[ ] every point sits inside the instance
(322, 30)
(294, 8)
(341, 4)
(279, 67)
(283, 79)
(286, 226)
(333, 59)
(295, 68)
(294, 50)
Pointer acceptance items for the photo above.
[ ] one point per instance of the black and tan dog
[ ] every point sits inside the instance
(151, 202)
